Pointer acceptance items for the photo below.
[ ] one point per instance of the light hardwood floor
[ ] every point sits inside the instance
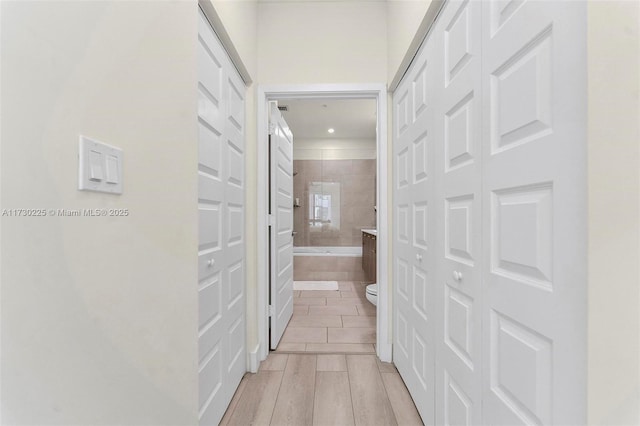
(341, 321)
(323, 390)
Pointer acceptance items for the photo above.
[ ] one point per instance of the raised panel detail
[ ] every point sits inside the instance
(235, 283)
(402, 330)
(235, 163)
(420, 91)
(235, 338)
(285, 254)
(284, 219)
(209, 150)
(458, 311)
(457, 51)
(209, 302)
(403, 168)
(458, 229)
(457, 405)
(284, 176)
(420, 159)
(236, 224)
(521, 373)
(420, 291)
(420, 353)
(403, 279)
(208, 109)
(236, 107)
(501, 11)
(403, 223)
(210, 378)
(210, 226)
(420, 225)
(284, 287)
(458, 144)
(521, 96)
(210, 75)
(402, 113)
(522, 234)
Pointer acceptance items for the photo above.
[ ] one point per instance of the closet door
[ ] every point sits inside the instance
(414, 281)
(534, 214)
(458, 214)
(221, 276)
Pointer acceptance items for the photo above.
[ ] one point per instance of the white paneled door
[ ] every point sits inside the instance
(281, 230)
(221, 188)
(413, 298)
(534, 212)
(490, 225)
(458, 214)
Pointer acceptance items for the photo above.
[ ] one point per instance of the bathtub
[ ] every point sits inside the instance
(327, 264)
(328, 251)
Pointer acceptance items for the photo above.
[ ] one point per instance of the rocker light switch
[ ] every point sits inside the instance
(95, 165)
(113, 174)
(100, 167)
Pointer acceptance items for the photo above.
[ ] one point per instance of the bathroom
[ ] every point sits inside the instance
(334, 189)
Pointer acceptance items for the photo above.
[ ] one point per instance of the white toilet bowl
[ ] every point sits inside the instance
(372, 294)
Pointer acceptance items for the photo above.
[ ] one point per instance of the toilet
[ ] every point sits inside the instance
(372, 293)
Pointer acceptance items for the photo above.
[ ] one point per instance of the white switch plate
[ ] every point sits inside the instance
(100, 167)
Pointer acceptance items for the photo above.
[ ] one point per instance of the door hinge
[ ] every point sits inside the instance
(271, 310)
(272, 128)
(271, 220)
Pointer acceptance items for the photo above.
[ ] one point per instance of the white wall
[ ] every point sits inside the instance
(322, 42)
(99, 315)
(614, 213)
(240, 19)
(403, 19)
(334, 149)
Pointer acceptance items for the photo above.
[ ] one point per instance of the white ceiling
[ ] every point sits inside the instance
(311, 118)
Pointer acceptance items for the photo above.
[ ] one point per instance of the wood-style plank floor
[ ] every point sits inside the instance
(322, 389)
(342, 321)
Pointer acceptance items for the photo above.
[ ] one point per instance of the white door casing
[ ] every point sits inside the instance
(458, 246)
(281, 288)
(414, 271)
(534, 212)
(221, 213)
(507, 87)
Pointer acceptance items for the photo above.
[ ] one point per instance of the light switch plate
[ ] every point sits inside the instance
(100, 167)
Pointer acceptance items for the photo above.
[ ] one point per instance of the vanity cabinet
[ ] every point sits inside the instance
(369, 248)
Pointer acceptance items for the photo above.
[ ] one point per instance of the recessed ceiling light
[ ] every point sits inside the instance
(331, 130)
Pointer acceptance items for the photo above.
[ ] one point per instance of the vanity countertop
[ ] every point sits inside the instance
(371, 231)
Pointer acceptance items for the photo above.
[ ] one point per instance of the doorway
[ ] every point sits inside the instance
(330, 93)
(333, 194)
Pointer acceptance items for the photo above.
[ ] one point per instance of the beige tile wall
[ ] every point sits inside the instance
(327, 268)
(357, 180)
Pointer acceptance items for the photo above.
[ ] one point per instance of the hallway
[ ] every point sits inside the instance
(152, 228)
(323, 389)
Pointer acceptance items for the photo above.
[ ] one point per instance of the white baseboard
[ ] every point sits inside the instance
(254, 359)
(385, 351)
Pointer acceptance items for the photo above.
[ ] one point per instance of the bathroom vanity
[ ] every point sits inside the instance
(369, 248)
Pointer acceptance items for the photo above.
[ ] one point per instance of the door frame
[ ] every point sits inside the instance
(326, 91)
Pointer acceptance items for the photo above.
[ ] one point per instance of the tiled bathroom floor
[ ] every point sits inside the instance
(342, 321)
